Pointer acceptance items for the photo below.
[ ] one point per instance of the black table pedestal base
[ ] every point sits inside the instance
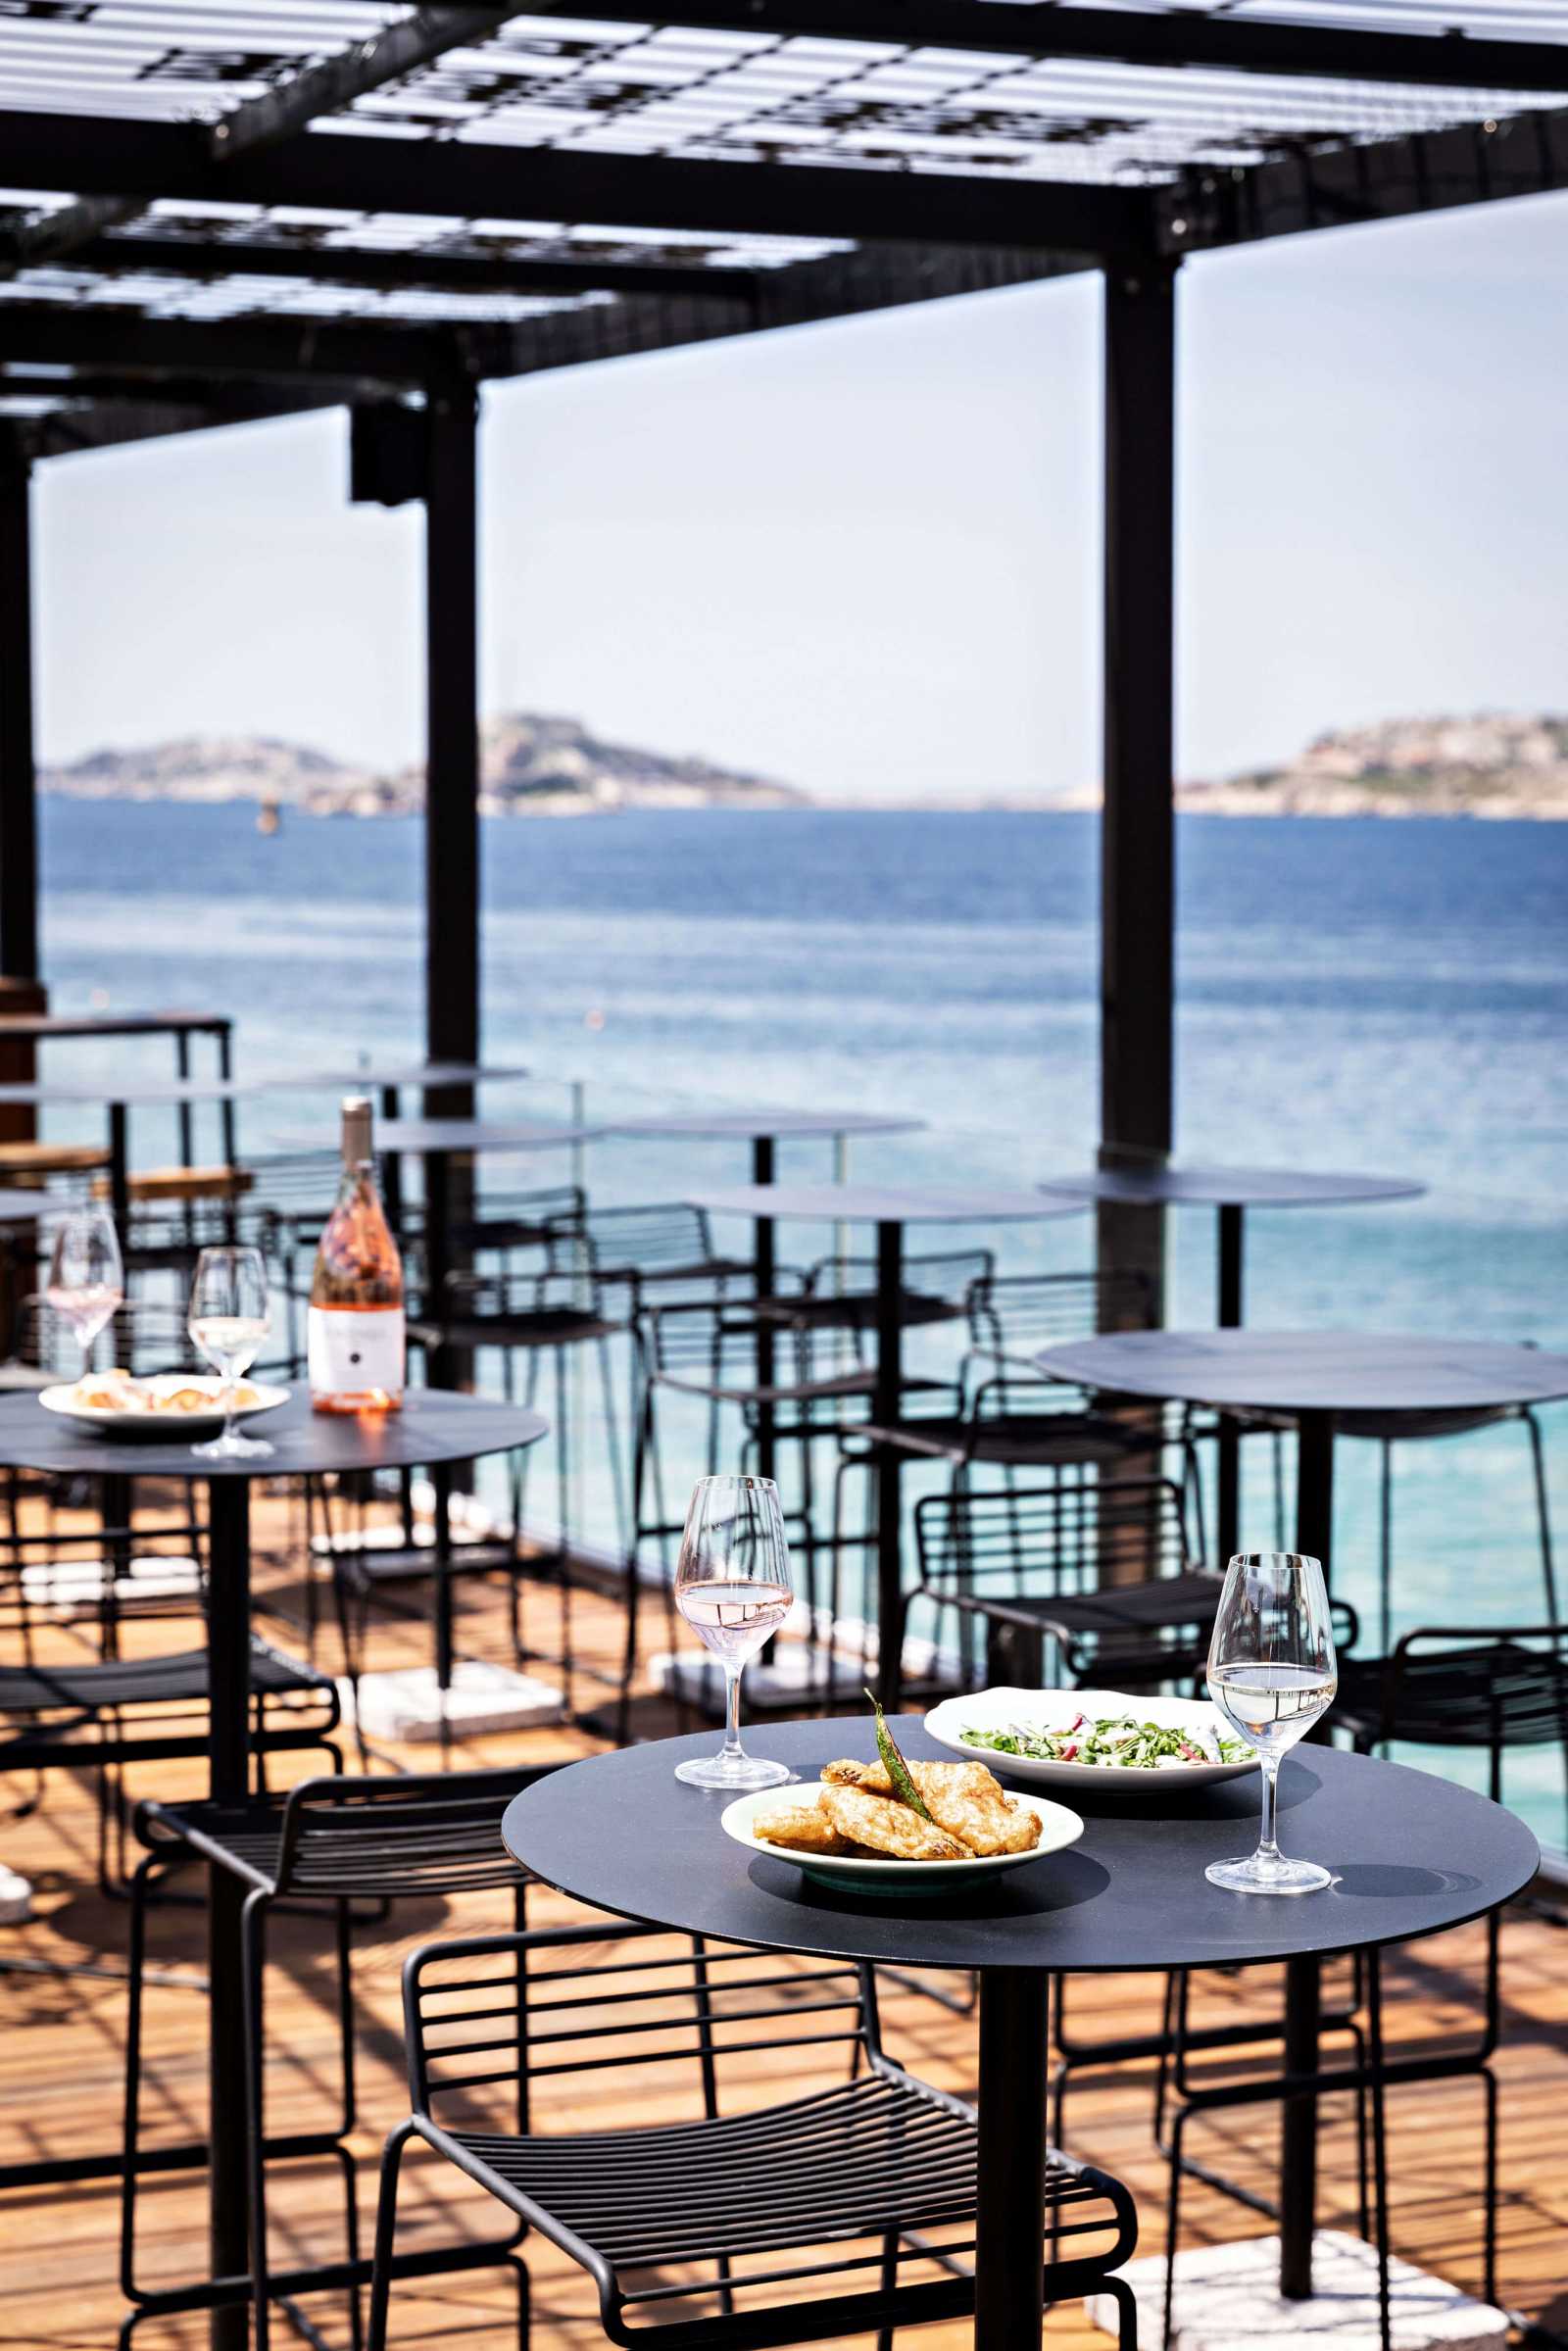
(1008, 2278)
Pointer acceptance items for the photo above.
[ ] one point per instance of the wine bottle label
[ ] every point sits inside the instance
(349, 1352)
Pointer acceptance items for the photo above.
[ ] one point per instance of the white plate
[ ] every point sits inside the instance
(1055, 1709)
(850, 1874)
(162, 1428)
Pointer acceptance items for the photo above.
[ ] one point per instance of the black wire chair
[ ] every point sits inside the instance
(338, 1841)
(839, 2211)
(662, 1252)
(1104, 1572)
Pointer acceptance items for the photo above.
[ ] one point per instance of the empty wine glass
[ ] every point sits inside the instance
(227, 1320)
(86, 1279)
(1271, 1674)
(732, 1585)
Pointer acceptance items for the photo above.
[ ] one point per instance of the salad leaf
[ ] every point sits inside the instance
(1111, 1741)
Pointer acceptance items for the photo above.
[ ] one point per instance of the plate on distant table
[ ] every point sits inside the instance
(1072, 1716)
(161, 1409)
(862, 1874)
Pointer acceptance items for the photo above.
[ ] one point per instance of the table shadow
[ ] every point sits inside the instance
(1056, 1881)
(1397, 1880)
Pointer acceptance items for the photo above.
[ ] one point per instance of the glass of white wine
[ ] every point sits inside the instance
(228, 1319)
(1271, 1674)
(732, 1585)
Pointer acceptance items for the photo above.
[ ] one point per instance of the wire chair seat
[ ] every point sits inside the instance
(1015, 1439)
(347, 1837)
(869, 2158)
(82, 1693)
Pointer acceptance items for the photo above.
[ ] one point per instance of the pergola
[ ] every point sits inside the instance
(218, 211)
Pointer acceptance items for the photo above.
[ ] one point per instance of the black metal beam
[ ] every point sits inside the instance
(1044, 30)
(278, 114)
(352, 354)
(19, 784)
(1385, 179)
(203, 260)
(467, 180)
(452, 734)
(116, 423)
(1136, 874)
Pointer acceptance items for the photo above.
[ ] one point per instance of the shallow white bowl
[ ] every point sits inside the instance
(162, 1428)
(1055, 1709)
(1059, 1828)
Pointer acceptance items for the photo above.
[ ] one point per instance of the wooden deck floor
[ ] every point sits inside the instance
(61, 2086)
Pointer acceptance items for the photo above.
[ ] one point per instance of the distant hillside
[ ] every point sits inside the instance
(530, 766)
(1489, 766)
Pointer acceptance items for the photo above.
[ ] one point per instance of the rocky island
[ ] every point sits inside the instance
(529, 766)
(1490, 765)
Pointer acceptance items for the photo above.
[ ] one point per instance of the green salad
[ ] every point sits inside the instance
(1113, 1740)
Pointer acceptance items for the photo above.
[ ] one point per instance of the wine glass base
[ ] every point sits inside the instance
(232, 1449)
(737, 1775)
(1254, 1875)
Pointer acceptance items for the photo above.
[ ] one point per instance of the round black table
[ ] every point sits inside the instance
(1315, 1377)
(1411, 1853)
(116, 1096)
(27, 1208)
(890, 1208)
(432, 1428)
(1232, 1191)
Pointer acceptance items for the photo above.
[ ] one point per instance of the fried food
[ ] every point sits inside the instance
(889, 1828)
(800, 1828)
(963, 1798)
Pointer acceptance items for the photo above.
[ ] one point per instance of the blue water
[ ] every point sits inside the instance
(1383, 996)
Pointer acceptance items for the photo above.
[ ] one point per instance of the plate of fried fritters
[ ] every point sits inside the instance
(851, 1830)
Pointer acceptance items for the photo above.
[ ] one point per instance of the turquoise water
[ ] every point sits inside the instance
(1391, 997)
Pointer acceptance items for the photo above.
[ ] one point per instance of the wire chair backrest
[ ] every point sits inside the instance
(141, 1336)
(1053, 1540)
(1013, 1314)
(509, 1220)
(556, 1273)
(944, 1277)
(101, 1575)
(629, 2015)
(650, 1239)
(434, 1833)
(1486, 1685)
(714, 1342)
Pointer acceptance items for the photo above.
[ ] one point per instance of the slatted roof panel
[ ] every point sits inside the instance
(597, 87)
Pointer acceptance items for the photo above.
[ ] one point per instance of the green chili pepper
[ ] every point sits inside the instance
(897, 1771)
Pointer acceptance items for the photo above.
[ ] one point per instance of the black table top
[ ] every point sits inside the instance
(756, 1125)
(435, 1425)
(1412, 1854)
(477, 1135)
(388, 1073)
(43, 1025)
(30, 1207)
(1231, 1187)
(127, 1090)
(1314, 1371)
(879, 1204)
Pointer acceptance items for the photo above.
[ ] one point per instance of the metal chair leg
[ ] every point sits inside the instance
(1380, 2144)
(253, 1929)
(386, 2220)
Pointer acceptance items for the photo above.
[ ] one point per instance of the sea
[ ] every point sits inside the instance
(1367, 994)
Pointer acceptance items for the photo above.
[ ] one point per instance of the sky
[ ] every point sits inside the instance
(862, 557)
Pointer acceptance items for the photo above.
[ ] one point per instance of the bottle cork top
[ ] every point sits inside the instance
(358, 1115)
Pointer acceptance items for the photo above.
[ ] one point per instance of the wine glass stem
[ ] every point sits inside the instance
(732, 1713)
(230, 1387)
(1267, 1843)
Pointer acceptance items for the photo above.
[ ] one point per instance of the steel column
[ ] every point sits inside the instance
(762, 1173)
(1229, 1443)
(229, 1702)
(1303, 1996)
(452, 727)
(19, 789)
(1138, 824)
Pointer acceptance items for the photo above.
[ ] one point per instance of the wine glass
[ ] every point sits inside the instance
(227, 1320)
(86, 1278)
(732, 1585)
(1271, 1674)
